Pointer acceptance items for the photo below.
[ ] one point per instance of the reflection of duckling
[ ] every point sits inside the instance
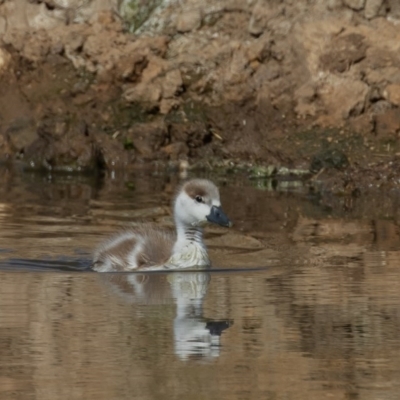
(150, 247)
(197, 337)
(193, 334)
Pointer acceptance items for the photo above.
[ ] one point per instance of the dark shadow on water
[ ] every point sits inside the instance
(84, 265)
(58, 265)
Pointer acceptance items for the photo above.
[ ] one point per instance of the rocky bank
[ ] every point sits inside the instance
(88, 84)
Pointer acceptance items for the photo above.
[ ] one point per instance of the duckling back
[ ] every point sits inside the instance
(142, 247)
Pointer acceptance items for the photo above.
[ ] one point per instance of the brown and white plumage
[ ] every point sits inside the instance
(150, 247)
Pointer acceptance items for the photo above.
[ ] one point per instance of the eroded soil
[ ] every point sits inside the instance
(307, 88)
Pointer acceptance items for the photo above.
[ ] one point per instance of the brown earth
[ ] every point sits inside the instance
(261, 82)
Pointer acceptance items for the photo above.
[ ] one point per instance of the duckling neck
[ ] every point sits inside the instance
(190, 234)
(189, 249)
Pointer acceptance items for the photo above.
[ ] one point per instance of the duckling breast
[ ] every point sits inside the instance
(188, 255)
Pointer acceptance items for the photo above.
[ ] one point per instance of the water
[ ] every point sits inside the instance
(303, 301)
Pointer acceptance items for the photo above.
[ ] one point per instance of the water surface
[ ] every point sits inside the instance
(302, 301)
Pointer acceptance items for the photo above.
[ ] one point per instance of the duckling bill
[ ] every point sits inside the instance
(218, 217)
(149, 247)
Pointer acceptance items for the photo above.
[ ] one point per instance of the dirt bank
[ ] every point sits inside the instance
(104, 83)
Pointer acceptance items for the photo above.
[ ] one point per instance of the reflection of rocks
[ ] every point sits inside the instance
(334, 242)
(193, 334)
(330, 236)
(235, 240)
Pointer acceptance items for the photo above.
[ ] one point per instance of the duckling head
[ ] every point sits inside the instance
(197, 203)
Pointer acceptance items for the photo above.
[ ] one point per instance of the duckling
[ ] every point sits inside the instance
(148, 247)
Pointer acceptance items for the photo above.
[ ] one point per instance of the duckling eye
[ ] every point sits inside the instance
(199, 199)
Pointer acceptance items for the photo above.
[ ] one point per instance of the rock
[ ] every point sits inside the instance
(334, 4)
(39, 16)
(306, 92)
(3, 26)
(147, 95)
(155, 68)
(6, 152)
(65, 3)
(344, 51)
(188, 21)
(392, 93)
(343, 97)
(265, 73)
(375, 94)
(15, 16)
(88, 11)
(5, 59)
(387, 124)
(363, 124)
(394, 6)
(147, 138)
(238, 71)
(259, 49)
(172, 84)
(329, 158)
(380, 107)
(36, 46)
(257, 23)
(142, 147)
(110, 153)
(21, 133)
(139, 12)
(263, 12)
(379, 75)
(304, 98)
(311, 40)
(176, 151)
(355, 4)
(132, 66)
(304, 109)
(195, 134)
(167, 105)
(103, 15)
(63, 145)
(75, 41)
(372, 8)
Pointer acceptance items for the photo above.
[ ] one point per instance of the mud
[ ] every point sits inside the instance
(94, 84)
